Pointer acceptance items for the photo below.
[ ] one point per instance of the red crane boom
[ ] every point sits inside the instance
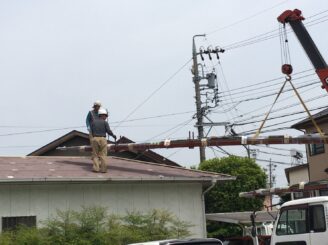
(295, 18)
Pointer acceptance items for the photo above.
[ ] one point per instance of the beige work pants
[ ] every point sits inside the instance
(99, 154)
(90, 138)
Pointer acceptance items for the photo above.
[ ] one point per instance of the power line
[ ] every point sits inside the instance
(256, 159)
(279, 109)
(277, 148)
(48, 129)
(301, 85)
(268, 86)
(265, 131)
(277, 162)
(273, 34)
(281, 116)
(247, 18)
(37, 131)
(271, 80)
(153, 93)
(155, 117)
(179, 126)
(18, 146)
(268, 95)
(273, 153)
(269, 126)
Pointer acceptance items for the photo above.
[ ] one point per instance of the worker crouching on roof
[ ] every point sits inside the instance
(99, 128)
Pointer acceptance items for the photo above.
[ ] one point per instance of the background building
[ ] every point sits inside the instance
(317, 154)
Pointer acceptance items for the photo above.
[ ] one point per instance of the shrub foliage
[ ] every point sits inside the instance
(94, 226)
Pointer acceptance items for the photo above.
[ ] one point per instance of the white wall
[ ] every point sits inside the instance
(42, 200)
(298, 175)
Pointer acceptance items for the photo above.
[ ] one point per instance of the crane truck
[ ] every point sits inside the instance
(303, 221)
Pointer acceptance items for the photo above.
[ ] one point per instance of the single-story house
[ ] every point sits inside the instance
(32, 188)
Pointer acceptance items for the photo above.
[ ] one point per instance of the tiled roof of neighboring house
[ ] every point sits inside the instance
(62, 141)
(297, 167)
(320, 116)
(62, 169)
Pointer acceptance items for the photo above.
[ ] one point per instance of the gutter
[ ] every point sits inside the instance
(214, 181)
(107, 179)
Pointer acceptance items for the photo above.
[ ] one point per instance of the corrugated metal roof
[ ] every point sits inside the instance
(36, 168)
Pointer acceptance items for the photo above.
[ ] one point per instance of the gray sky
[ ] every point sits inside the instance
(57, 57)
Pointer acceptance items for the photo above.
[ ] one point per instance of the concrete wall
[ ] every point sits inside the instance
(42, 200)
(318, 163)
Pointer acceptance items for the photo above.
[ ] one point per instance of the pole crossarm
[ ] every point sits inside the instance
(211, 141)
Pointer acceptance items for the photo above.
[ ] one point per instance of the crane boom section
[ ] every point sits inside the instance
(295, 18)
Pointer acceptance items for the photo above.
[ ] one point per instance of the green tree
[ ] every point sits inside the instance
(225, 197)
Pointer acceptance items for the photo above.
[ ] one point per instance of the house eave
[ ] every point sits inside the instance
(204, 180)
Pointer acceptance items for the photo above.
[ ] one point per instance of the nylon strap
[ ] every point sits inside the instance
(308, 112)
(268, 113)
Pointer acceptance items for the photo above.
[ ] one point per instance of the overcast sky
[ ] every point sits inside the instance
(57, 57)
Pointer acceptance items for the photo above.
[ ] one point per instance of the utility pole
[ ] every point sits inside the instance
(199, 112)
(271, 169)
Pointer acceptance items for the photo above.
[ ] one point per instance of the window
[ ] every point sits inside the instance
(315, 149)
(10, 223)
(299, 195)
(292, 221)
(317, 221)
(323, 192)
(301, 220)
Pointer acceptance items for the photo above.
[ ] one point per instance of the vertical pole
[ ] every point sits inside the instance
(270, 182)
(199, 113)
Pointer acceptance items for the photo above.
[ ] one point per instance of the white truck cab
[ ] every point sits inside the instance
(302, 222)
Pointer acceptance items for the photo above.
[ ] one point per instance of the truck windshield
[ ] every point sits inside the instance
(292, 221)
(301, 220)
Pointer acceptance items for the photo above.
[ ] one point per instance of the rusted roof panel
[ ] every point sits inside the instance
(36, 168)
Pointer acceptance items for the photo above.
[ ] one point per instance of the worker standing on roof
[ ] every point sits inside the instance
(92, 115)
(99, 128)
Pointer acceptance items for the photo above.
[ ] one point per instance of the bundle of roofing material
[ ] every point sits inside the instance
(211, 141)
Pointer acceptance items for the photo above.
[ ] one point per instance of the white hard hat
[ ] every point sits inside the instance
(102, 111)
(97, 103)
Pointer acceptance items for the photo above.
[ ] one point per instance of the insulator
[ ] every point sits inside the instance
(201, 55)
(209, 50)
